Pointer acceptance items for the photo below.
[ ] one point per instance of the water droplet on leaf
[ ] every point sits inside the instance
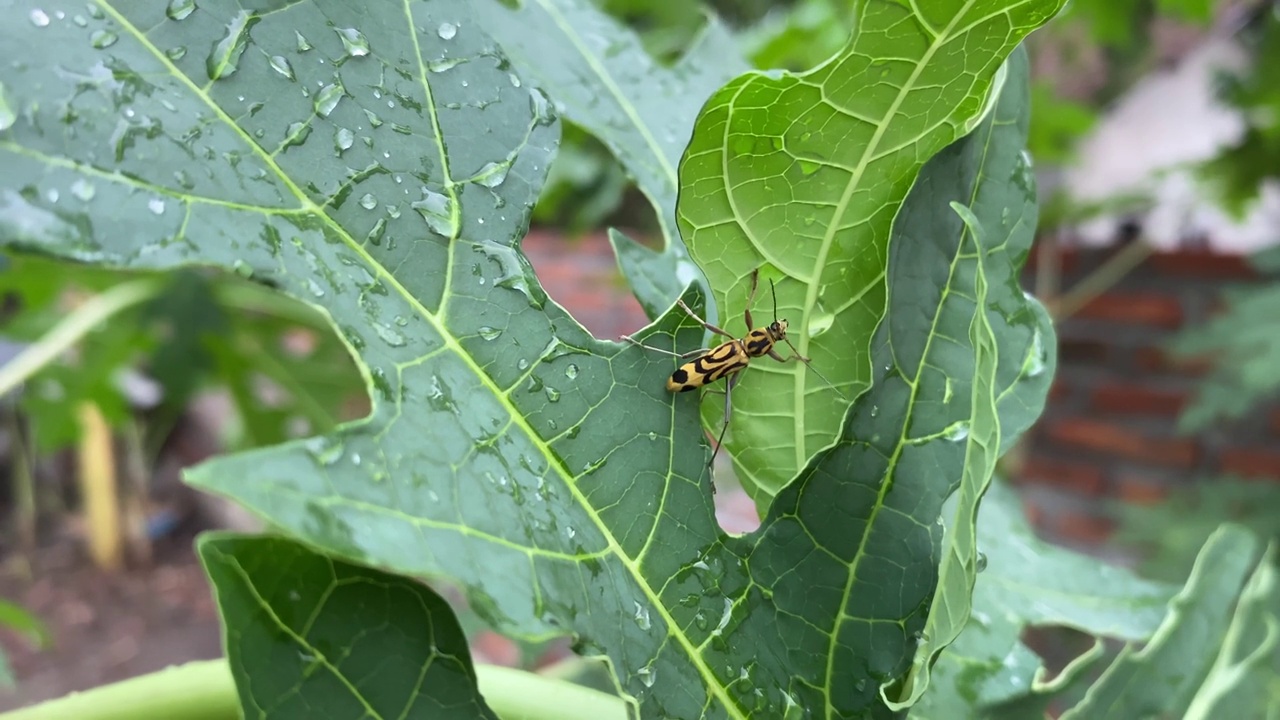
(297, 134)
(224, 57)
(328, 97)
(353, 41)
(180, 9)
(389, 335)
(101, 39)
(83, 190)
(489, 333)
(7, 116)
(376, 232)
(368, 202)
(642, 616)
(958, 431)
(493, 174)
(447, 31)
(343, 139)
(571, 372)
(156, 206)
(437, 210)
(280, 64)
(39, 18)
(648, 675)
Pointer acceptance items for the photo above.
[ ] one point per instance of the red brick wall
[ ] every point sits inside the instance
(1109, 430)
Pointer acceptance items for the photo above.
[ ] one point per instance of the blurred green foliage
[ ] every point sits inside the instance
(195, 331)
(1237, 174)
(1172, 532)
(1244, 344)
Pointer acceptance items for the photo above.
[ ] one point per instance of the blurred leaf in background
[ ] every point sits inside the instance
(1244, 344)
(285, 371)
(18, 619)
(1236, 175)
(1172, 532)
(1056, 123)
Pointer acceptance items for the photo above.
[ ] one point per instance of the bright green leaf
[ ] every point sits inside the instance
(307, 636)
(15, 617)
(804, 174)
(19, 619)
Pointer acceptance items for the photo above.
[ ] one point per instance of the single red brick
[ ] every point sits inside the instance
(1077, 477)
(1067, 260)
(1035, 515)
(1202, 264)
(1154, 359)
(495, 649)
(1250, 462)
(1140, 489)
(1137, 400)
(1082, 527)
(1072, 350)
(1105, 437)
(1134, 308)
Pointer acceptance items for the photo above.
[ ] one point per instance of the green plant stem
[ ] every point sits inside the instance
(75, 326)
(519, 695)
(1097, 282)
(205, 690)
(249, 297)
(200, 690)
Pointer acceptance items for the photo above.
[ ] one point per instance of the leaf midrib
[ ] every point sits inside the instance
(868, 153)
(714, 688)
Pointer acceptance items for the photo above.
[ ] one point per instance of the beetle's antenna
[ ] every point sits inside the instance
(774, 291)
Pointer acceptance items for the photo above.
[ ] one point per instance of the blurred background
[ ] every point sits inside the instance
(1156, 135)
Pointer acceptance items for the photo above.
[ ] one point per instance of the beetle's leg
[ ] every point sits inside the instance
(774, 354)
(702, 322)
(746, 310)
(691, 353)
(728, 407)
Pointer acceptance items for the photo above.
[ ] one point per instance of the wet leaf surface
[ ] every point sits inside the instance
(380, 164)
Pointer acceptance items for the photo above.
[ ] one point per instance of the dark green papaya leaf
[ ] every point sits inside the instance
(804, 174)
(987, 182)
(1163, 678)
(1028, 582)
(600, 76)
(308, 636)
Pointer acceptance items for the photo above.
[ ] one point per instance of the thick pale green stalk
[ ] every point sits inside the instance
(74, 327)
(200, 690)
(204, 690)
